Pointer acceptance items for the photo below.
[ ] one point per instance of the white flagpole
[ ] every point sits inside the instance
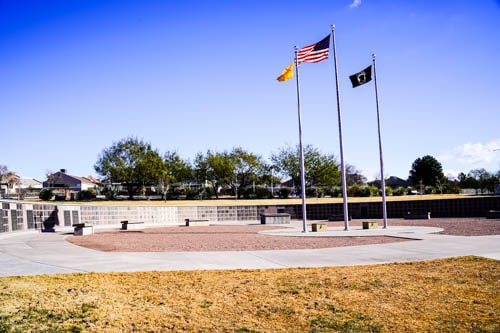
(301, 150)
(342, 165)
(382, 180)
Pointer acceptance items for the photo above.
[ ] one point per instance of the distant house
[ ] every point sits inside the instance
(15, 185)
(61, 180)
(396, 182)
(392, 182)
(30, 184)
(289, 183)
(7, 183)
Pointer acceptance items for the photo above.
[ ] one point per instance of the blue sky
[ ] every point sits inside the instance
(188, 76)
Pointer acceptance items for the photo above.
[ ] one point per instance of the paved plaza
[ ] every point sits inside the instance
(34, 252)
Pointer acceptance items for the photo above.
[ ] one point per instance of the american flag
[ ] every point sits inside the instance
(315, 52)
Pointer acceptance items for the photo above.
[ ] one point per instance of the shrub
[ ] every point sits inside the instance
(374, 191)
(400, 191)
(313, 193)
(173, 195)
(263, 193)
(352, 191)
(430, 190)
(366, 191)
(111, 194)
(85, 195)
(190, 195)
(46, 194)
(246, 193)
(317, 192)
(336, 192)
(451, 188)
(389, 191)
(359, 191)
(227, 192)
(284, 192)
(60, 197)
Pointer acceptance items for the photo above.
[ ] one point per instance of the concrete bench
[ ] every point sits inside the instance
(370, 225)
(318, 227)
(126, 225)
(274, 218)
(80, 229)
(195, 222)
(418, 216)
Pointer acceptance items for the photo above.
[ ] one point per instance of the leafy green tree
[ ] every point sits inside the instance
(478, 179)
(248, 169)
(270, 177)
(451, 187)
(486, 179)
(131, 162)
(467, 181)
(287, 162)
(214, 168)
(176, 170)
(353, 176)
(320, 169)
(426, 171)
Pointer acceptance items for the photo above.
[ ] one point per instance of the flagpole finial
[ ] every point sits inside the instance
(333, 27)
(374, 56)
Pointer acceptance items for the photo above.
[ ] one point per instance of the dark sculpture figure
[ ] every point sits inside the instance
(51, 221)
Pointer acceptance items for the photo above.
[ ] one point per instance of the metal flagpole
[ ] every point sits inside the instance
(382, 180)
(301, 150)
(342, 165)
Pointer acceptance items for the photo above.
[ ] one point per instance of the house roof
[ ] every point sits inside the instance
(396, 182)
(30, 182)
(58, 176)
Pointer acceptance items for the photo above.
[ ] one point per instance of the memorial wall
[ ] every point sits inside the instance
(19, 215)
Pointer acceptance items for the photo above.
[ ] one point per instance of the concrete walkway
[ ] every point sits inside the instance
(31, 253)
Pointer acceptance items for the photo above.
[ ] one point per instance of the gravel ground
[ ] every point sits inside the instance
(246, 237)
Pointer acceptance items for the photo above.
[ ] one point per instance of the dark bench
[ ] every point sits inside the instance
(126, 225)
(194, 222)
(493, 214)
(417, 216)
(80, 229)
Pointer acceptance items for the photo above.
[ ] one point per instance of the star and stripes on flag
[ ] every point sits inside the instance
(311, 53)
(315, 52)
(362, 77)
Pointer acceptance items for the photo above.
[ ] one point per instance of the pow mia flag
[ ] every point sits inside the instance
(362, 77)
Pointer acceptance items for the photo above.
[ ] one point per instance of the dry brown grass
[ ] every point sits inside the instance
(450, 295)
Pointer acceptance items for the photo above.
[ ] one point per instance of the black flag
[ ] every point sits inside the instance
(362, 77)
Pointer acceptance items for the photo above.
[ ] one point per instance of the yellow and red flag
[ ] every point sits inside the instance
(286, 74)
